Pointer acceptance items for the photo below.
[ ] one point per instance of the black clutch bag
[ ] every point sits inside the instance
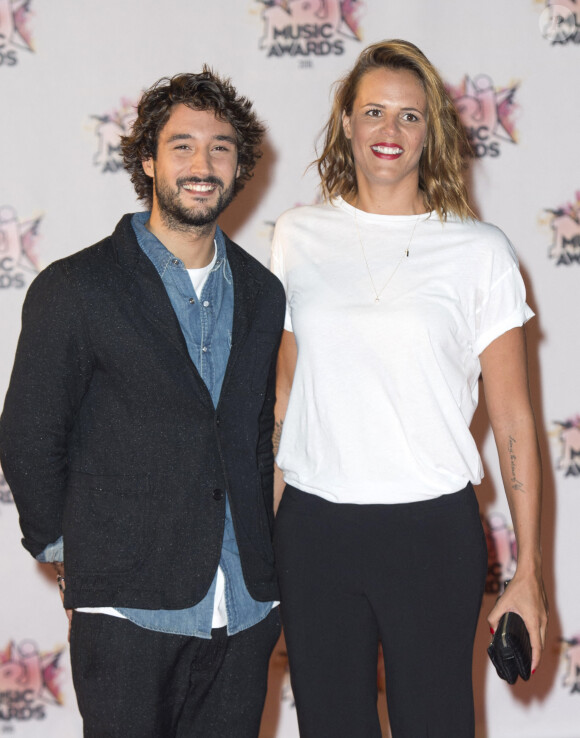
(510, 650)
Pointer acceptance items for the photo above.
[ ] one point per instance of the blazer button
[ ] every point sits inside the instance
(218, 494)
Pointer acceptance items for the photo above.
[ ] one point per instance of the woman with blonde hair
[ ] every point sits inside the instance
(397, 300)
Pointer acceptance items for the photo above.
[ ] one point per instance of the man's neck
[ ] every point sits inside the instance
(193, 245)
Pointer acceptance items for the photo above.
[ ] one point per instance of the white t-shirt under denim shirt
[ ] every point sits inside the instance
(384, 392)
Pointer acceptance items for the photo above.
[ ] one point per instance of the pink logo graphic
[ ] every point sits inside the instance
(487, 114)
(14, 32)
(304, 28)
(565, 224)
(569, 438)
(501, 552)
(571, 658)
(29, 681)
(109, 129)
(17, 248)
(5, 493)
(560, 21)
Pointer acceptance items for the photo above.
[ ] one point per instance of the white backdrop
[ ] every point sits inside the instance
(70, 73)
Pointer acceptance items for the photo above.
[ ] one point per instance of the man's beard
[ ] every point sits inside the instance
(178, 217)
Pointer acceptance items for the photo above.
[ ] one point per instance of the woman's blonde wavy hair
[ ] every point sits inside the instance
(442, 161)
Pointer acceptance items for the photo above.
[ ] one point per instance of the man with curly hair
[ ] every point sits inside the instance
(136, 434)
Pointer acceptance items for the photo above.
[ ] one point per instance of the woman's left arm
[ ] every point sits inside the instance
(504, 370)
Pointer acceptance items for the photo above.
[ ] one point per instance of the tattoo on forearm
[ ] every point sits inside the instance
(517, 486)
(276, 435)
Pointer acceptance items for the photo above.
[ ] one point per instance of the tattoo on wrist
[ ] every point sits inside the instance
(516, 485)
(277, 435)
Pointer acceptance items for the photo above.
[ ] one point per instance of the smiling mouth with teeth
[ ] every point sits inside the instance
(387, 149)
(199, 187)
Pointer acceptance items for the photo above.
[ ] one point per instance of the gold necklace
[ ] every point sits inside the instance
(404, 255)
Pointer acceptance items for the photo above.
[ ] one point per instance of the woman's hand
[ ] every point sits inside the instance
(526, 596)
(59, 568)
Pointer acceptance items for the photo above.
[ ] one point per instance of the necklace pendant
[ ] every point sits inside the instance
(404, 255)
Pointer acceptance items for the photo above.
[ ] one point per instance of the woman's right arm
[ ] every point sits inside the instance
(284, 378)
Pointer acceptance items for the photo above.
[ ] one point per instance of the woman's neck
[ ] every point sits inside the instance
(389, 201)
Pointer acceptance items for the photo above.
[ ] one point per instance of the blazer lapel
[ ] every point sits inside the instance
(144, 285)
(147, 288)
(147, 291)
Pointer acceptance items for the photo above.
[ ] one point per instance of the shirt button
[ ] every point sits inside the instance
(206, 303)
(204, 349)
(191, 301)
(175, 261)
(217, 494)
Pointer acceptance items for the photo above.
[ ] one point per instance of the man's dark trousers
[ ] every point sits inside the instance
(210, 688)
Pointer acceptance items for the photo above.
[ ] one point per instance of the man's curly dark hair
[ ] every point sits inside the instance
(203, 91)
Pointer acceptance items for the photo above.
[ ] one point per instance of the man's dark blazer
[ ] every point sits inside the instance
(109, 436)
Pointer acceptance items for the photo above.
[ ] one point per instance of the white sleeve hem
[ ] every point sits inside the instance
(520, 316)
(288, 321)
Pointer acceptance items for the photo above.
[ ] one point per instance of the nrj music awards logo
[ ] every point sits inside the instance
(571, 660)
(108, 130)
(560, 21)
(309, 28)
(567, 434)
(29, 682)
(487, 112)
(565, 225)
(501, 552)
(18, 259)
(15, 34)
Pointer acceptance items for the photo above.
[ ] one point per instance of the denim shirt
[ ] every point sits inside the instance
(206, 322)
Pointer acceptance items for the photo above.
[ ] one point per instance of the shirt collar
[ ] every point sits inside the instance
(160, 256)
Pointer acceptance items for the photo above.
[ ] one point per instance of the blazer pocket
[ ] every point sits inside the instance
(105, 526)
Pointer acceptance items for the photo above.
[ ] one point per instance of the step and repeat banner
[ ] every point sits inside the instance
(71, 73)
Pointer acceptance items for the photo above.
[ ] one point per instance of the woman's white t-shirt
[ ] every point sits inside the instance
(384, 393)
